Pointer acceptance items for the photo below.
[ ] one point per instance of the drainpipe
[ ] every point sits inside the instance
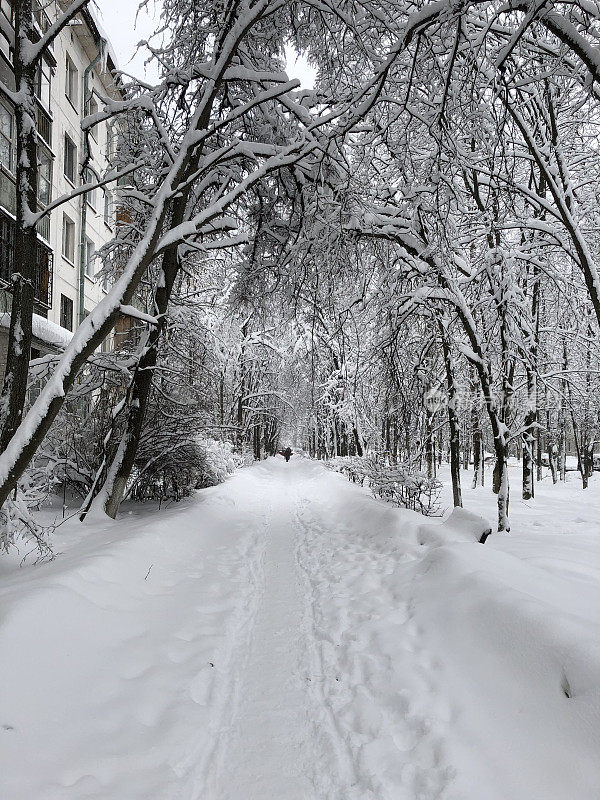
(82, 238)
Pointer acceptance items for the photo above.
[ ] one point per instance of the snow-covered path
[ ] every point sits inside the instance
(318, 710)
(286, 637)
(268, 749)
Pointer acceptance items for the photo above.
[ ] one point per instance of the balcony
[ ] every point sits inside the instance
(44, 125)
(44, 262)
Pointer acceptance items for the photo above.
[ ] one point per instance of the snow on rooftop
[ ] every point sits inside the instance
(109, 47)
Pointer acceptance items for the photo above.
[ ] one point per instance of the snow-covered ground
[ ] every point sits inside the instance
(286, 637)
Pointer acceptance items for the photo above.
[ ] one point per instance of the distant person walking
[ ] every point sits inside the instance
(287, 453)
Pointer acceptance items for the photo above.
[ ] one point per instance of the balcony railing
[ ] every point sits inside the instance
(43, 227)
(44, 262)
(44, 125)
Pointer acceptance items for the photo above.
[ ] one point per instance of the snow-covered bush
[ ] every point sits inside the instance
(220, 461)
(69, 456)
(19, 525)
(397, 483)
(173, 473)
(73, 448)
(168, 474)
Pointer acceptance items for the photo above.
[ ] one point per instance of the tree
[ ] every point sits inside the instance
(190, 162)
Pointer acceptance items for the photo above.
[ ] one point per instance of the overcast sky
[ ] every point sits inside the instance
(118, 18)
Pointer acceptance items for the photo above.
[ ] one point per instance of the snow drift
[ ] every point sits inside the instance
(520, 644)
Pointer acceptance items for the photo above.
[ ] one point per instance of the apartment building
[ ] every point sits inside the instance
(75, 76)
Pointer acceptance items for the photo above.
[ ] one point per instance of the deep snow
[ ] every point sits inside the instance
(285, 636)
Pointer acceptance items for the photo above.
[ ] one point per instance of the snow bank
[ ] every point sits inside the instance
(521, 655)
(460, 526)
(516, 625)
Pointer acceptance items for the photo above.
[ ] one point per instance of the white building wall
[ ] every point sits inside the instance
(82, 44)
(78, 45)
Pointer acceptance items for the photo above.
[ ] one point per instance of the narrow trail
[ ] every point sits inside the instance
(267, 754)
(316, 712)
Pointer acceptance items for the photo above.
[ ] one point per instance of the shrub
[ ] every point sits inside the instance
(397, 483)
(173, 473)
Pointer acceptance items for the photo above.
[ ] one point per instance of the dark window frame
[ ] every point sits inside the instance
(66, 312)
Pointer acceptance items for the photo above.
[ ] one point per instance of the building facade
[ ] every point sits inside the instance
(76, 74)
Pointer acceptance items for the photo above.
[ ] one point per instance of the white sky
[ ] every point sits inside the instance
(118, 18)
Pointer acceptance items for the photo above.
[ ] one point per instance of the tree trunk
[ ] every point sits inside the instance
(242, 393)
(222, 400)
(529, 437)
(478, 463)
(111, 487)
(24, 263)
(388, 438)
(429, 459)
(453, 421)
(562, 422)
(580, 464)
(501, 476)
(357, 442)
(552, 448)
(257, 442)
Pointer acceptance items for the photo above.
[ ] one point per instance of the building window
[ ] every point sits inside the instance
(110, 142)
(90, 261)
(7, 9)
(44, 125)
(92, 108)
(43, 80)
(90, 196)
(108, 210)
(72, 82)
(7, 135)
(41, 19)
(5, 47)
(7, 246)
(44, 176)
(68, 239)
(43, 227)
(70, 160)
(66, 312)
(42, 281)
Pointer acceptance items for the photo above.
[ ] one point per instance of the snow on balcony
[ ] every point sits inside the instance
(44, 330)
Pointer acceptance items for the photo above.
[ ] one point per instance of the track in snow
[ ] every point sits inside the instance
(269, 749)
(332, 697)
